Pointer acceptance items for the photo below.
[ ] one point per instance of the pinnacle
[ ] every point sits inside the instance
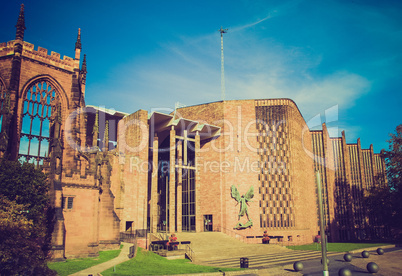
(20, 25)
(78, 43)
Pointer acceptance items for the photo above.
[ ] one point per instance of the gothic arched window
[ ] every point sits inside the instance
(38, 115)
(2, 101)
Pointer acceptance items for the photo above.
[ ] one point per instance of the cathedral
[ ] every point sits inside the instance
(239, 167)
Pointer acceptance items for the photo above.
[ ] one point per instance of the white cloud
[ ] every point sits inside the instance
(239, 28)
(340, 88)
(189, 71)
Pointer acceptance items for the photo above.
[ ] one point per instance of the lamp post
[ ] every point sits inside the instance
(322, 228)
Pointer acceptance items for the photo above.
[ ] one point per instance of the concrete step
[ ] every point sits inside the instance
(258, 261)
(209, 246)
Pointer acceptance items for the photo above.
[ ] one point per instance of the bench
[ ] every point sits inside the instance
(158, 245)
(278, 238)
(275, 237)
(173, 246)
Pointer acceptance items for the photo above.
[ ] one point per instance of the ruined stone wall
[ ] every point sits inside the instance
(72, 170)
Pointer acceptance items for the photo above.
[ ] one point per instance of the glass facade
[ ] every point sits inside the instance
(185, 177)
(188, 200)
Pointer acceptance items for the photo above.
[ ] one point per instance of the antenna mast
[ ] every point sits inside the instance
(222, 31)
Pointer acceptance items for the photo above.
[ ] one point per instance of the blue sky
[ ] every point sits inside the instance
(325, 55)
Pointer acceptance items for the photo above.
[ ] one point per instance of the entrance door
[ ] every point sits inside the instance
(129, 226)
(208, 223)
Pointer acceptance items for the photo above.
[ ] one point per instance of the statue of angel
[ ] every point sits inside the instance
(243, 205)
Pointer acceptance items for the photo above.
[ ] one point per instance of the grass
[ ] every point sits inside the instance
(337, 247)
(148, 263)
(74, 265)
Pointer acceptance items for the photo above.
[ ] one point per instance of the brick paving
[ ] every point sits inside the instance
(390, 263)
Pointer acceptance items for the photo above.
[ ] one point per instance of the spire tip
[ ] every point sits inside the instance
(20, 24)
(78, 43)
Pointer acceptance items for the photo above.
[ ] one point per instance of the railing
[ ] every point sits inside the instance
(162, 236)
(190, 253)
(230, 233)
(129, 237)
(141, 233)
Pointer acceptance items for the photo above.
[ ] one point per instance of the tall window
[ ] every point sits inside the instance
(2, 101)
(188, 198)
(37, 118)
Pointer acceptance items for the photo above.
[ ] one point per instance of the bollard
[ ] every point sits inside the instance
(327, 261)
(243, 262)
(298, 266)
(344, 272)
(347, 257)
(365, 254)
(372, 267)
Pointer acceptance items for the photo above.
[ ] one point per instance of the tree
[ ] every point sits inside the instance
(25, 220)
(393, 159)
(384, 202)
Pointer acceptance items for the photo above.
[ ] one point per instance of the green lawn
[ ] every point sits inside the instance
(337, 247)
(74, 265)
(148, 263)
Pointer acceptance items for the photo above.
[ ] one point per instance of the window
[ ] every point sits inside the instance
(67, 202)
(188, 200)
(191, 153)
(39, 109)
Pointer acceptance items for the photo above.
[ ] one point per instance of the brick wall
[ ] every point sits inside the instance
(234, 159)
(131, 169)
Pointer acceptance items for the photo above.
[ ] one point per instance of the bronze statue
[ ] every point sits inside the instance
(243, 206)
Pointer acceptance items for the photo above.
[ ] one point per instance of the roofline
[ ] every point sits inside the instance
(109, 111)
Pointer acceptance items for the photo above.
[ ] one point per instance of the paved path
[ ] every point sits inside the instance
(217, 249)
(389, 263)
(97, 269)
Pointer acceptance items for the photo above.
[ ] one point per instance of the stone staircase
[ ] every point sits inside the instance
(208, 246)
(269, 259)
(220, 250)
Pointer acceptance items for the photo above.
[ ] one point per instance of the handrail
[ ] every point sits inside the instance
(190, 253)
(128, 237)
(230, 233)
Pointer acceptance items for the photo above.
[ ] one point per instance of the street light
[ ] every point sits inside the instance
(322, 229)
